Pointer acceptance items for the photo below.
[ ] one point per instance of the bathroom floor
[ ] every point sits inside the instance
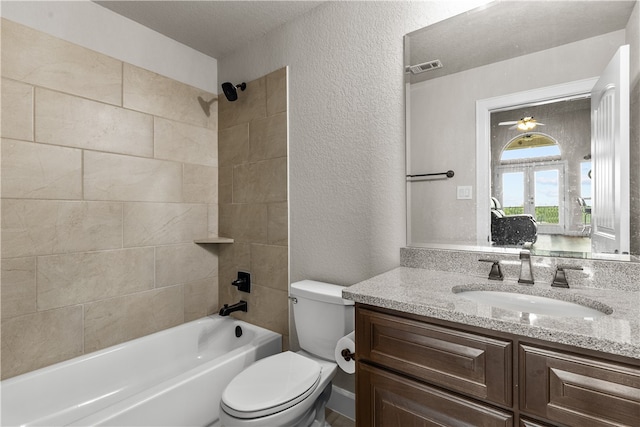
(338, 420)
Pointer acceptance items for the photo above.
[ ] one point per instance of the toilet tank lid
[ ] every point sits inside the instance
(319, 291)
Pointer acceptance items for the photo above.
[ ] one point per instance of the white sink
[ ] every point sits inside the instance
(530, 303)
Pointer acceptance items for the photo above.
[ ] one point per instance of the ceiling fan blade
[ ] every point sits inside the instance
(540, 124)
(507, 123)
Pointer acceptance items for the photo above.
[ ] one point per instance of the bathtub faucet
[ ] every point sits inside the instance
(228, 309)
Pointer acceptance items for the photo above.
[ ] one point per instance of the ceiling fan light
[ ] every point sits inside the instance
(526, 124)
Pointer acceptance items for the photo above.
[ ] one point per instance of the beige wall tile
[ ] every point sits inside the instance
(17, 110)
(261, 182)
(270, 266)
(225, 184)
(40, 339)
(18, 295)
(277, 91)
(35, 57)
(268, 137)
(79, 278)
(227, 294)
(250, 105)
(161, 96)
(213, 219)
(200, 299)
(71, 121)
(185, 143)
(244, 222)
(267, 307)
(253, 203)
(117, 177)
(278, 224)
(179, 264)
(45, 227)
(38, 171)
(163, 223)
(233, 258)
(116, 320)
(233, 145)
(199, 184)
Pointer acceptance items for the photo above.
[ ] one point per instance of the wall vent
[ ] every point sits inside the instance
(425, 66)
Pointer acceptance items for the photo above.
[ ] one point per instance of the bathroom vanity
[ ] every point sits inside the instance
(428, 356)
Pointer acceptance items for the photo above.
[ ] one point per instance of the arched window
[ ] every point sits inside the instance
(530, 146)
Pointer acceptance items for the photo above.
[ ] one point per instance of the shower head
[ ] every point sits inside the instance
(206, 105)
(230, 90)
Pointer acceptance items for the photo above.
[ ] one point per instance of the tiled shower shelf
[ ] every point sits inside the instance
(210, 240)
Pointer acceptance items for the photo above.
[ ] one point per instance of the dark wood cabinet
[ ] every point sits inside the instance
(398, 401)
(417, 371)
(577, 390)
(459, 361)
(525, 422)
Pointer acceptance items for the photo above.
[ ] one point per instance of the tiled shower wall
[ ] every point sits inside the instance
(109, 172)
(252, 154)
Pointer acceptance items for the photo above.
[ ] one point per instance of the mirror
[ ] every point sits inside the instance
(502, 63)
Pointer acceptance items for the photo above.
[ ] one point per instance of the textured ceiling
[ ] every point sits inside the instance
(507, 29)
(214, 28)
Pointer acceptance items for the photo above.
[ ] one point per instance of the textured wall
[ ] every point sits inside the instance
(109, 172)
(346, 130)
(253, 200)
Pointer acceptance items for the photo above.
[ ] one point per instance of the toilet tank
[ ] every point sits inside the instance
(321, 316)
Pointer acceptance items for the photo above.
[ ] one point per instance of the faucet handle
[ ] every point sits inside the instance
(560, 278)
(243, 282)
(496, 271)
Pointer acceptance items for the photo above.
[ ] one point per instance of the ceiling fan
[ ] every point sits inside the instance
(525, 124)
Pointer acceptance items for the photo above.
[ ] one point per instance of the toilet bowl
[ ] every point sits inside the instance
(279, 390)
(292, 388)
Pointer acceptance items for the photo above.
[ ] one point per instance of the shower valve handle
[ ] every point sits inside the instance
(243, 282)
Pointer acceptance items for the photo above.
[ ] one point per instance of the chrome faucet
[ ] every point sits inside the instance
(526, 271)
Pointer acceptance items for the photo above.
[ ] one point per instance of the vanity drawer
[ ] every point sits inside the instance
(524, 422)
(471, 364)
(577, 390)
(385, 399)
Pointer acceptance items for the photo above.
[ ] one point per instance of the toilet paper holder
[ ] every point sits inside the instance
(348, 356)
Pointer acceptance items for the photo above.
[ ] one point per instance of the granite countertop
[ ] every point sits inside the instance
(429, 293)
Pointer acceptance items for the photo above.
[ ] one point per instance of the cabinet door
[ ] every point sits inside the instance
(464, 362)
(388, 400)
(578, 391)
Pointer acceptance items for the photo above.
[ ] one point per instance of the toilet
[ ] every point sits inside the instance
(292, 388)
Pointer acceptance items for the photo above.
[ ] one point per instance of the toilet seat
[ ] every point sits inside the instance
(271, 385)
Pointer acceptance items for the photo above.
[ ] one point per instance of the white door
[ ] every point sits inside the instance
(610, 157)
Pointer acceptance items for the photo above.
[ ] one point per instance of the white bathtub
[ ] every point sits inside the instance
(171, 378)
